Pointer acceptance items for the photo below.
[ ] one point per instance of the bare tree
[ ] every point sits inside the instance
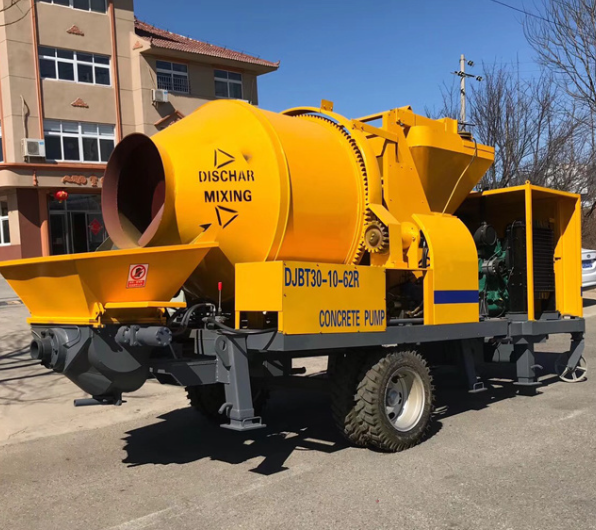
(564, 37)
(450, 106)
(527, 122)
(537, 135)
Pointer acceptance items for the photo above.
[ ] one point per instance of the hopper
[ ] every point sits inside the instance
(449, 166)
(78, 288)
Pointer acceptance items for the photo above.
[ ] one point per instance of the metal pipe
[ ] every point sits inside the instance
(115, 70)
(151, 336)
(38, 92)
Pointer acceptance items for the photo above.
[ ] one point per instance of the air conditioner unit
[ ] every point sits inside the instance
(32, 147)
(160, 96)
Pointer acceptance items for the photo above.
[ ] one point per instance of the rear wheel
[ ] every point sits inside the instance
(208, 400)
(343, 374)
(394, 400)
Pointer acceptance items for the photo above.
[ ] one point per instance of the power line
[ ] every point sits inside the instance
(529, 14)
(521, 11)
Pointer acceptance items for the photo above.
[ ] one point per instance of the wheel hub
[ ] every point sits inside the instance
(404, 399)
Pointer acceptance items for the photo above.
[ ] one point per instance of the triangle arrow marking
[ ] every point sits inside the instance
(227, 159)
(225, 215)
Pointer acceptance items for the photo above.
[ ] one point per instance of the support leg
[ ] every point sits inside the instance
(576, 352)
(571, 366)
(470, 349)
(239, 404)
(526, 364)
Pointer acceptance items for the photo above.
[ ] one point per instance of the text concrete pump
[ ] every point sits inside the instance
(306, 233)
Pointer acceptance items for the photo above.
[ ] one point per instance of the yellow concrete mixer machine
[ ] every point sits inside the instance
(305, 233)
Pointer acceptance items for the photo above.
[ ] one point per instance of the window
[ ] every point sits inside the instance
(228, 84)
(172, 77)
(78, 142)
(1, 150)
(79, 67)
(98, 6)
(4, 231)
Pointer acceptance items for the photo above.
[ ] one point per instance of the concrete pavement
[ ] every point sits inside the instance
(494, 460)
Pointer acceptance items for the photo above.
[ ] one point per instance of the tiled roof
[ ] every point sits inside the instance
(160, 38)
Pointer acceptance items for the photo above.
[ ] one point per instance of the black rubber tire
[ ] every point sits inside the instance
(208, 399)
(343, 382)
(370, 400)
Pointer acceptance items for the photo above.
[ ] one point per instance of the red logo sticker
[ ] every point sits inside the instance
(137, 275)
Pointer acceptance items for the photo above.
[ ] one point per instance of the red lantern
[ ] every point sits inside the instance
(61, 195)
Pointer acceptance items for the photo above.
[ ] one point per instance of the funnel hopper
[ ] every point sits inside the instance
(76, 289)
(449, 166)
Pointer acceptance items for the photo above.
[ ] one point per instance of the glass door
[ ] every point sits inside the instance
(58, 233)
(76, 225)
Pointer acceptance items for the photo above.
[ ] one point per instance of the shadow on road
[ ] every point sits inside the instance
(13, 345)
(589, 302)
(297, 421)
(22, 354)
(15, 357)
(15, 365)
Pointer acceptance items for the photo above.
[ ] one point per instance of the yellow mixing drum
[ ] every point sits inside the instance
(276, 187)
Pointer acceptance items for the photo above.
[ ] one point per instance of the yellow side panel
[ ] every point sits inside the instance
(568, 267)
(530, 253)
(451, 284)
(259, 286)
(314, 297)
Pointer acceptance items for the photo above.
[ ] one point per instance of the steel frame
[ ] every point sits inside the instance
(228, 357)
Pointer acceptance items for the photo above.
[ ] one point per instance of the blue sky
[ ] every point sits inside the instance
(366, 56)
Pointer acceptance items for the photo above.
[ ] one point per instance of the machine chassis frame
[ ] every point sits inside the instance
(231, 357)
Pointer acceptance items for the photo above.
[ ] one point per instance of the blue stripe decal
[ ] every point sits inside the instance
(456, 297)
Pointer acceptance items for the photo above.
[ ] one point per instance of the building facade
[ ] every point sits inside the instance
(75, 77)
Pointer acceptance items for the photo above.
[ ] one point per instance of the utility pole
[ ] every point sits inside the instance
(462, 88)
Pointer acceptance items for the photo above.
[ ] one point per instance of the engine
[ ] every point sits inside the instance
(502, 269)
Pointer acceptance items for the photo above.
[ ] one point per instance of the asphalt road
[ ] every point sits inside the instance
(494, 460)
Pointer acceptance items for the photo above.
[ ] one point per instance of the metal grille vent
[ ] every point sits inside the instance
(544, 258)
